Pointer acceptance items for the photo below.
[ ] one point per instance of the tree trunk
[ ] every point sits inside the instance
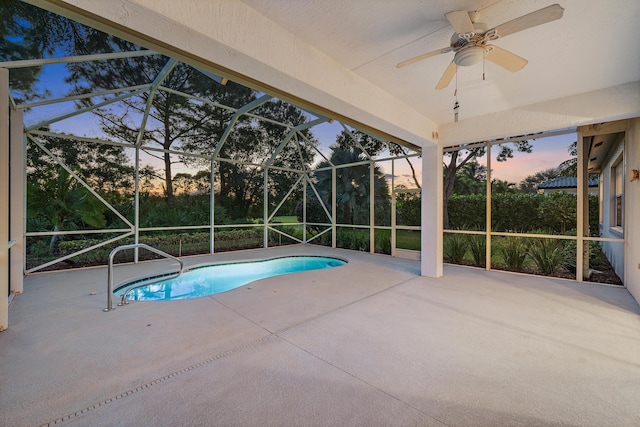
(167, 178)
(54, 238)
(413, 174)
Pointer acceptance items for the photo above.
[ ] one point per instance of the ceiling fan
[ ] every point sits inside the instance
(470, 41)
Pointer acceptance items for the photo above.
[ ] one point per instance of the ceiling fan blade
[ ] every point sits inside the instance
(447, 76)
(423, 56)
(507, 60)
(460, 21)
(539, 17)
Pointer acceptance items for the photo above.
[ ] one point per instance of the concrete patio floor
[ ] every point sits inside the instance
(371, 344)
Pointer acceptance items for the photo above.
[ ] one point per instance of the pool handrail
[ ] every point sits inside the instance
(110, 271)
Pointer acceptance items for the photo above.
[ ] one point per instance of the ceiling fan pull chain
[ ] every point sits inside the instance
(456, 105)
(484, 57)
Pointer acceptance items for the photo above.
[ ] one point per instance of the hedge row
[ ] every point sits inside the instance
(554, 213)
(174, 244)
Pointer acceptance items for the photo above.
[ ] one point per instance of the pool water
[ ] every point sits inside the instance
(213, 279)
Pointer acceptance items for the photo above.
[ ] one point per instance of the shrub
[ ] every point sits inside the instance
(478, 248)
(514, 252)
(597, 258)
(173, 243)
(383, 242)
(455, 247)
(548, 255)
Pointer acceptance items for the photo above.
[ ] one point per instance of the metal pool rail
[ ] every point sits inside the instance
(110, 271)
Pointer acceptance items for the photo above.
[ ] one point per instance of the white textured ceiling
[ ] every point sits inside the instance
(338, 57)
(592, 47)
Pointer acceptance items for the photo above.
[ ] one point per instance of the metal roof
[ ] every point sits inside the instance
(566, 182)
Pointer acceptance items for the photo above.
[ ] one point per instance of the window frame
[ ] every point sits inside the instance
(616, 210)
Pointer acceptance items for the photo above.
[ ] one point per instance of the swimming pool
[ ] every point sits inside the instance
(213, 279)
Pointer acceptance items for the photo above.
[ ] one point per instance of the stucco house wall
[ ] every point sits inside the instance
(624, 257)
(632, 210)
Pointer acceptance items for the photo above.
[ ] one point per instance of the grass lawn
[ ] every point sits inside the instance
(408, 239)
(285, 219)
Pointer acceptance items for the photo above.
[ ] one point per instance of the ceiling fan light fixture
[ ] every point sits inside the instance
(469, 56)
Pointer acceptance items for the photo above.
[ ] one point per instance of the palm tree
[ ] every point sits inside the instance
(353, 186)
(65, 204)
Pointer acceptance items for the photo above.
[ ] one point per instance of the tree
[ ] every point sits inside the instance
(471, 179)
(29, 32)
(374, 147)
(462, 155)
(174, 121)
(65, 204)
(558, 211)
(352, 186)
(530, 183)
(106, 169)
(570, 167)
(253, 142)
(57, 201)
(499, 186)
(408, 208)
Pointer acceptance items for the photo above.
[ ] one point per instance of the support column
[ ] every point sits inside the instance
(4, 199)
(432, 212)
(17, 195)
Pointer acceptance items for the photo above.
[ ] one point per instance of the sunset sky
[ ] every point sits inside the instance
(547, 152)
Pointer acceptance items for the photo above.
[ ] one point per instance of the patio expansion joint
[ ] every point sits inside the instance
(357, 378)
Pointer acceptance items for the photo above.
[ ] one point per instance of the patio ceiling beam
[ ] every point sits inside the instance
(245, 109)
(222, 80)
(508, 140)
(80, 58)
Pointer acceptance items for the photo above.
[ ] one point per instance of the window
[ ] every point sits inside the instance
(600, 200)
(617, 179)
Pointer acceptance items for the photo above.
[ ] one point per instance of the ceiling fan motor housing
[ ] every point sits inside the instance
(469, 56)
(470, 46)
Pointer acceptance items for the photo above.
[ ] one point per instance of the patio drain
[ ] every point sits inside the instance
(127, 393)
(274, 334)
